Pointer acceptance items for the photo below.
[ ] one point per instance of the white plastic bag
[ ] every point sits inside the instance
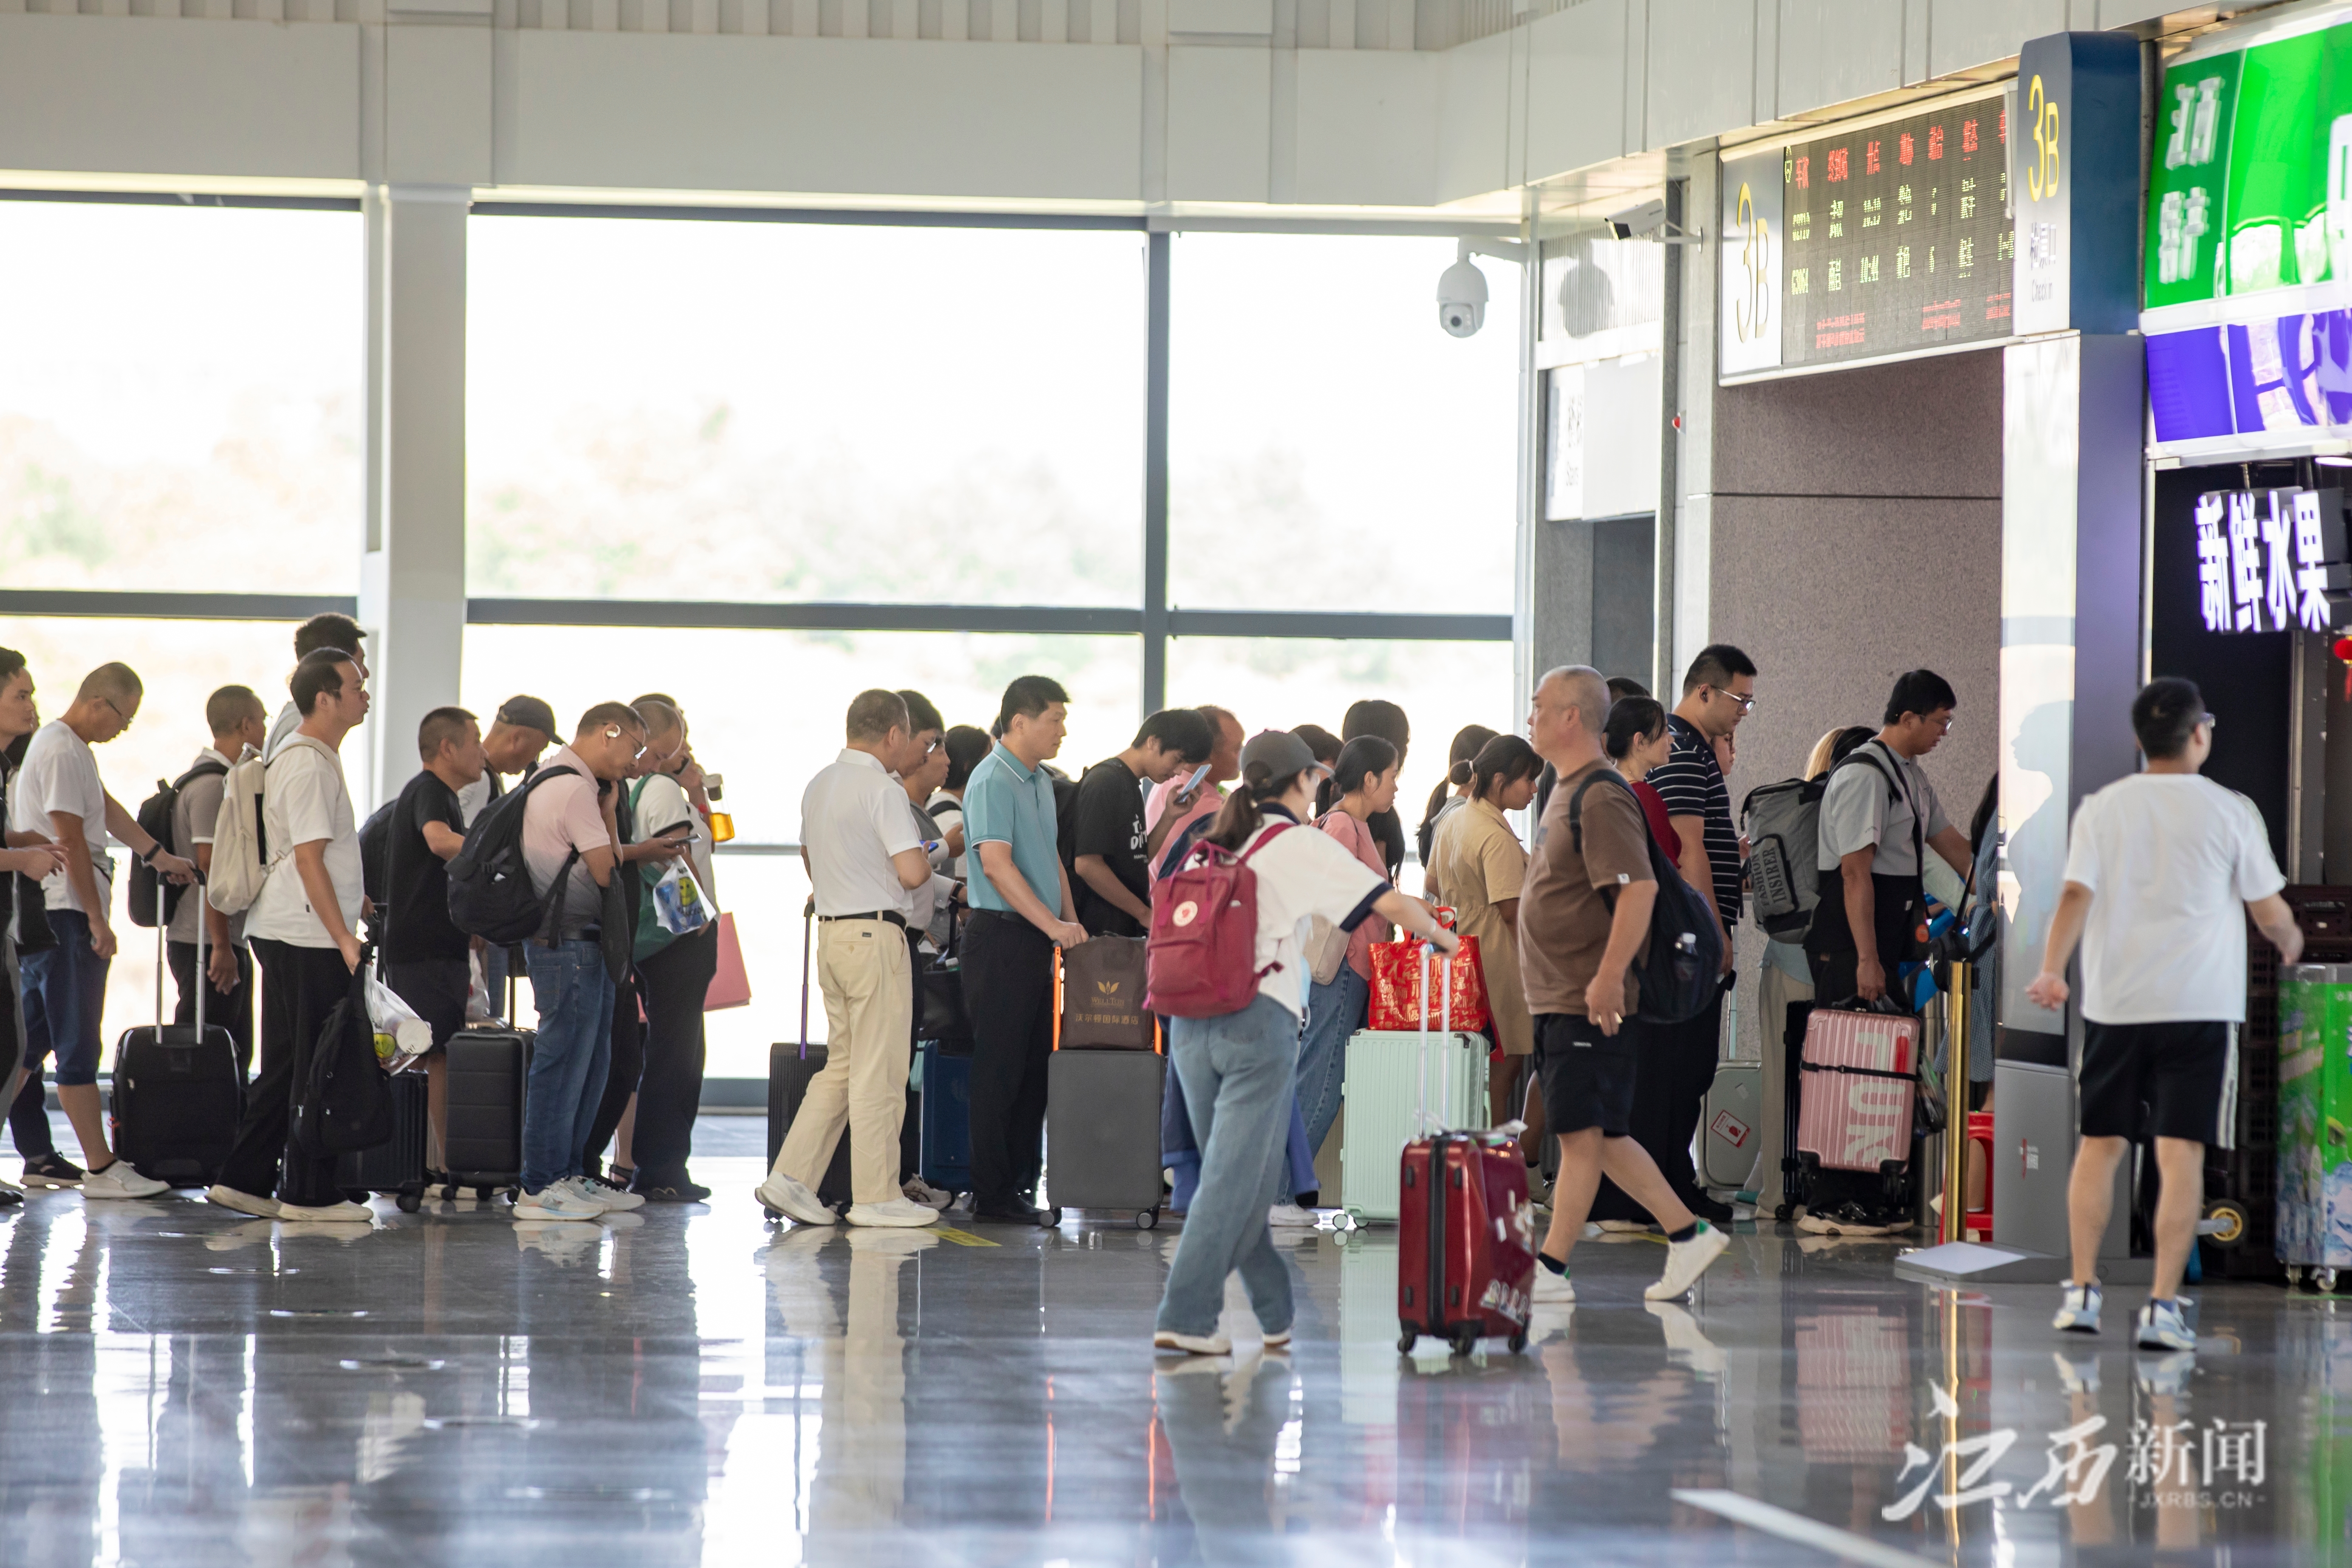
(480, 1008)
(678, 903)
(411, 1035)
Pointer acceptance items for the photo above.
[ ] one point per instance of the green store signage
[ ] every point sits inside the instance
(2250, 181)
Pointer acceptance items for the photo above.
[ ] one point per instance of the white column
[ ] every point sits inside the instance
(413, 576)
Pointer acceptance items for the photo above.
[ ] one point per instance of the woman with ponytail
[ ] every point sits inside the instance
(1238, 1071)
(1480, 863)
(1468, 742)
(1363, 784)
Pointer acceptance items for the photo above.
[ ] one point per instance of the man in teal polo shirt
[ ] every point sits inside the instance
(1020, 910)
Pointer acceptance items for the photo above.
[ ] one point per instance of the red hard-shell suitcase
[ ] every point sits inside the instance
(1465, 1232)
(1859, 1072)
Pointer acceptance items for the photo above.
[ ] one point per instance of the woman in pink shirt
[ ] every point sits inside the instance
(1365, 778)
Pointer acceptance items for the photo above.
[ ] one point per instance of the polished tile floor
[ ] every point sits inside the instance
(181, 1386)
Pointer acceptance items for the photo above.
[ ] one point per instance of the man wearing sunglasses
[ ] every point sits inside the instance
(2162, 870)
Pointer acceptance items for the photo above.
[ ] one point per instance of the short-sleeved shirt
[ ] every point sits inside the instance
(1564, 918)
(1860, 809)
(1107, 819)
(1300, 874)
(288, 719)
(660, 804)
(946, 812)
(1690, 780)
(61, 774)
(417, 927)
(476, 797)
(192, 817)
(563, 815)
(2170, 859)
(1005, 803)
(854, 817)
(1479, 862)
(304, 800)
(1156, 804)
(1357, 840)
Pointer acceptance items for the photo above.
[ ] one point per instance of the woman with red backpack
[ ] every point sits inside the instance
(1236, 1065)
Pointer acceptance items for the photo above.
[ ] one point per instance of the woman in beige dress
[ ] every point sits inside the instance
(1480, 864)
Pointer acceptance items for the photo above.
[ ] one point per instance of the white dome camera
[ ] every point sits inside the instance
(1462, 299)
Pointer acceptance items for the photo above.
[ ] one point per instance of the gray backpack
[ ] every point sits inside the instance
(1782, 825)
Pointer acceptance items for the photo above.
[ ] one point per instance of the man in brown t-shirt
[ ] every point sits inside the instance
(1584, 916)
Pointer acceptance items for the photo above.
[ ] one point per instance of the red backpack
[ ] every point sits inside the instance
(1202, 961)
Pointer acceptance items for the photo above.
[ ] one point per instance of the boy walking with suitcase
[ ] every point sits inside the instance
(2158, 865)
(1584, 916)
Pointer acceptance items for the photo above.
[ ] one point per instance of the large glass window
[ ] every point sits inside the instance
(765, 712)
(1330, 448)
(1274, 683)
(173, 377)
(663, 409)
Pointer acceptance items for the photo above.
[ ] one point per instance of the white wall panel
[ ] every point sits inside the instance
(1220, 121)
(1965, 33)
(1368, 127)
(1475, 140)
(1701, 70)
(1834, 50)
(1624, 423)
(436, 127)
(156, 96)
(825, 114)
(1576, 88)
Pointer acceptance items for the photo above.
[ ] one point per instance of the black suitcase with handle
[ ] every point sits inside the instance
(178, 1093)
(397, 1166)
(791, 1066)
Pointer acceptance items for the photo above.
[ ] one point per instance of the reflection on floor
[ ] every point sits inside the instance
(181, 1386)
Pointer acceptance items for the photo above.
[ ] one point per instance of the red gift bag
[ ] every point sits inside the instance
(1397, 1001)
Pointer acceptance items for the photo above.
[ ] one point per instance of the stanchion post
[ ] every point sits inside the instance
(1956, 1108)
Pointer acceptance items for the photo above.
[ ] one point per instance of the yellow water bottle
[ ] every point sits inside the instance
(722, 824)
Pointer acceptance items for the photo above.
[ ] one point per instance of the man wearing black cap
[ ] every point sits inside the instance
(519, 736)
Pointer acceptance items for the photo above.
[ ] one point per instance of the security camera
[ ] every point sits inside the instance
(1639, 222)
(1462, 299)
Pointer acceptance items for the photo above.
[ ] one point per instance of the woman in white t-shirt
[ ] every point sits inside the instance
(1236, 1070)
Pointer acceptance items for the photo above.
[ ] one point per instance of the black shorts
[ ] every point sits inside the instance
(437, 989)
(1588, 1077)
(2162, 1081)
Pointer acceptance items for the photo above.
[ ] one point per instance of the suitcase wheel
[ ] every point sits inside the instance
(1145, 1218)
(1519, 1341)
(409, 1203)
(774, 1215)
(1407, 1340)
(1465, 1340)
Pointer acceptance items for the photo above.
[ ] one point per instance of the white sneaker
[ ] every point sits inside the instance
(242, 1203)
(1626, 1226)
(787, 1196)
(1552, 1290)
(1290, 1216)
(121, 1180)
(342, 1213)
(2078, 1308)
(556, 1201)
(1192, 1344)
(894, 1210)
(604, 1194)
(1685, 1261)
(2164, 1327)
(919, 1191)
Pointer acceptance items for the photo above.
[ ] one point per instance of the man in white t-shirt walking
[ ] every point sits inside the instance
(58, 794)
(301, 926)
(2158, 869)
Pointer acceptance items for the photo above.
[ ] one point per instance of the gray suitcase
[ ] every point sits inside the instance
(1102, 1131)
(1730, 1127)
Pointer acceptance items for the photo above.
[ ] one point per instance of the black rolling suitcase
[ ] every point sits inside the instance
(178, 1096)
(790, 1068)
(1102, 1131)
(397, 1166)
(483, 1145)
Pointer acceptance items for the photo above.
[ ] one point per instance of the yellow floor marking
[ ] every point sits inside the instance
(962, 1237)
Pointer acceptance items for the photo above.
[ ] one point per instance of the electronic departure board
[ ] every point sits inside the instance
(1897, 237)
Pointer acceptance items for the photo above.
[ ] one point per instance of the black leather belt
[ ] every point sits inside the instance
(893, 916)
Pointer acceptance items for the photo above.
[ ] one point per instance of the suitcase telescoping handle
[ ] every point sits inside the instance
(808, 925)
(1445, 1028)
(163, 952)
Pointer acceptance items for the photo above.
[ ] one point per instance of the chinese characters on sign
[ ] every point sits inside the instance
(1898, 236)
(2271, 561)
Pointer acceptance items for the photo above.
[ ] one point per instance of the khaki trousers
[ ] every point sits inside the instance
(862, 968)
(1774, 993)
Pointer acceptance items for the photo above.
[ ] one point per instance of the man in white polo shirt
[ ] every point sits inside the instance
(864, 857)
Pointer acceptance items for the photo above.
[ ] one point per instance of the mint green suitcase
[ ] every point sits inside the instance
(1386, 1088)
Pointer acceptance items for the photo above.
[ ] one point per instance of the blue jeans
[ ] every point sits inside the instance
(1237, 1074)
(574, 997)
(1334, 1012)
(71, 980)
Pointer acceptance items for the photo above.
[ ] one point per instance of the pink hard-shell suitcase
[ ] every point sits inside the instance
(1860, 1074)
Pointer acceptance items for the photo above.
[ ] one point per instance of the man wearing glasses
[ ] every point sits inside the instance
(2158, 867)
(59, 795)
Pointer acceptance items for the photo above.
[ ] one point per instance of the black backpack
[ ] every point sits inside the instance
(490, 885)
(156, 821)
(375, 853)
(1681, 970)
(346, 1105)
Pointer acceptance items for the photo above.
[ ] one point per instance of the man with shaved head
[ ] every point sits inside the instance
(58, 794)
(1584, 918)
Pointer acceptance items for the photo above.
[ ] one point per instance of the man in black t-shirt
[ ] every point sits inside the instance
(425, 954)
(1104, 842)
